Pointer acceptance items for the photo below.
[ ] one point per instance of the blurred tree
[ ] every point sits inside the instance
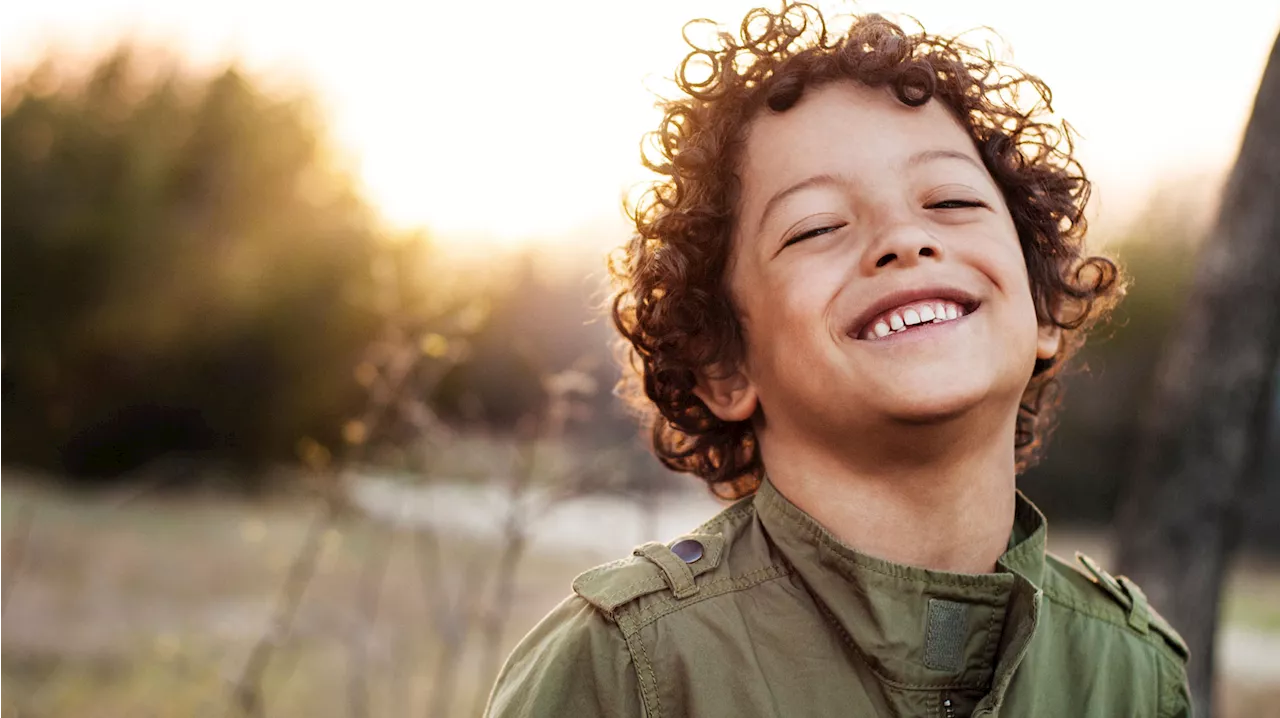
(1105, 386)
(185, 268)
(535, 327)
(499, 383)
(1205, 433)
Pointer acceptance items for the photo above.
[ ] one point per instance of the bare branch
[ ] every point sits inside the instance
(371, 580)
(515, 535)
(248, 689)
(453, 615)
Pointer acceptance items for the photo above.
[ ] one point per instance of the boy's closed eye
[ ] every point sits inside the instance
(957, 204)
(956, 196)
(946, 204)
(809, 234)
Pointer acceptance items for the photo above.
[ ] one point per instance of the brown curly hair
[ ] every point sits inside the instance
(670, 303)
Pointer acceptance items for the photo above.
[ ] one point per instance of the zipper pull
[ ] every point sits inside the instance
(948, 708)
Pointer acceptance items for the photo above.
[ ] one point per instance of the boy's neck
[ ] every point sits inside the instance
(947, 510)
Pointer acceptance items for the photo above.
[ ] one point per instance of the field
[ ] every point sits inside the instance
(123, 605)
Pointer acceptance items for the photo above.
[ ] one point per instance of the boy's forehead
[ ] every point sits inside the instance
(844, 128)
(853, 117)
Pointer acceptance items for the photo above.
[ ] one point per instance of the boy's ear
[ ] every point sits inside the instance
(731, 396)
(1048, 340)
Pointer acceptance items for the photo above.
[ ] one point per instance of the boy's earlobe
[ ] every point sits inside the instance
(731, 397)
(1048, 341)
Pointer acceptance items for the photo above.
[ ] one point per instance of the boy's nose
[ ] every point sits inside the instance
(901, 246)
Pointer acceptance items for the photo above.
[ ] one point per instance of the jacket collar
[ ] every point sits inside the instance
(917, 628)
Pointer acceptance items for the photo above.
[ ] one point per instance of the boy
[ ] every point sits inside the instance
(846, 300)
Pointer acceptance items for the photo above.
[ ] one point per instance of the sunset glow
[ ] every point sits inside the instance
(522, 121)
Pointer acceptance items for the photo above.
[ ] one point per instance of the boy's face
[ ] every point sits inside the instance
(858, 214)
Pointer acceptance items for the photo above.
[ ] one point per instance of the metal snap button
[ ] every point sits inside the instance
(688, 550)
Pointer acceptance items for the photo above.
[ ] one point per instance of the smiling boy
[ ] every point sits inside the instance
(847, 299)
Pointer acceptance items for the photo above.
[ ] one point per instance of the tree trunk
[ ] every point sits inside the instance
(1203, 439)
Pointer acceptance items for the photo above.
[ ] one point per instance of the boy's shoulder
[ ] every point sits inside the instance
(579, 657)
(597, 648)
(1088, 591)
(659, 578)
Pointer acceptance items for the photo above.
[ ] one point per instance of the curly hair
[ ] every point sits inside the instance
(670, 302)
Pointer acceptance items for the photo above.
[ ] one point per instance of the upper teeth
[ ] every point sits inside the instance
(930, 311)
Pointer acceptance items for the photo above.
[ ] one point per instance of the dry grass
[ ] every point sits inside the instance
(151, 608)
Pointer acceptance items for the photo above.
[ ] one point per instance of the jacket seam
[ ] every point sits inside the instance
(1077, 607)
(652, 691)
(633, 590)
(1153, 640)
(993, 638)
(711, 589)
(1159, 679)
(1161, 689)
(1172, 674)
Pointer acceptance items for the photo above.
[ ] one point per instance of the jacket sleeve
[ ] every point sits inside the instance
(1175, 691)
(574, 663)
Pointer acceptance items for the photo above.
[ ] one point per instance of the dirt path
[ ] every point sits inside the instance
(601, 527)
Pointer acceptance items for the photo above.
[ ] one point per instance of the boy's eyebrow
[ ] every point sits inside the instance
(827, 178)
(924, 156)
(818, 180)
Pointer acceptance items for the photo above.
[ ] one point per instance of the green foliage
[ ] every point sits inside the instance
(184, 268)
(1091, 451)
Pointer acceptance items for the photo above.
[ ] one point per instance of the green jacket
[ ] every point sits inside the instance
(761, 611)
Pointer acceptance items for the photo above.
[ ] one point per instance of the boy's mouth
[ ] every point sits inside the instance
(906, 314)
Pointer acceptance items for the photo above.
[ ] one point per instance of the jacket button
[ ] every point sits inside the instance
(688, 550)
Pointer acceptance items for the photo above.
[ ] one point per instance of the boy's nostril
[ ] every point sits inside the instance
(926, 251)
(886, 259)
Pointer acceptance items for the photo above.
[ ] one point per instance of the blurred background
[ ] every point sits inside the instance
(307, 394)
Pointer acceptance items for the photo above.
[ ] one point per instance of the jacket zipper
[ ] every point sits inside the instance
(948, 709)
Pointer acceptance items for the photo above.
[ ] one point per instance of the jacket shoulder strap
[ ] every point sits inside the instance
(1142, 617)
(652, 567)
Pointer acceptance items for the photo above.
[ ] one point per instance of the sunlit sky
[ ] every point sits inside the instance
(520, 121)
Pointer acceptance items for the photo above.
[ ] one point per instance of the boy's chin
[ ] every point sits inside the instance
(924, 413)
(921, 406)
